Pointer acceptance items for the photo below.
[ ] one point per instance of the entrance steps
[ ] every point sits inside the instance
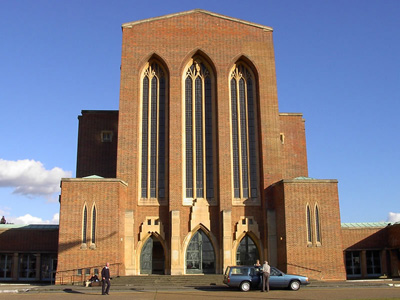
(169, 280)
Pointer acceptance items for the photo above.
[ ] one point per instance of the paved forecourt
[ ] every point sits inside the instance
(327, 293)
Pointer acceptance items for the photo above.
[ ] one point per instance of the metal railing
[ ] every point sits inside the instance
(72, 277)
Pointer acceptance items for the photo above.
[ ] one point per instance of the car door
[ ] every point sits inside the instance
(255, 277)
(277, 279)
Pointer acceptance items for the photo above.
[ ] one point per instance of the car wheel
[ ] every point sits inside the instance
(294, 285)
(245, 286)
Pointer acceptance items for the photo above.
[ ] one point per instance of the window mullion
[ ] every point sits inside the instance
(194, 136)
(239, 138)
(203, 133)
(149, 140)
(248, 137)
(158, 132)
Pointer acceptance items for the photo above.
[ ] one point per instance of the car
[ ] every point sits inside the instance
(250, 277)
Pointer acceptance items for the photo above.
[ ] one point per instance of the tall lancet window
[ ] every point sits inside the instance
(244, 133)
(153, 167)
(199, 131)
(84, 225)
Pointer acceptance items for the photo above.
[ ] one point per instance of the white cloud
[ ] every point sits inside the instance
(393, 217)
(28, 219)
(30, 178)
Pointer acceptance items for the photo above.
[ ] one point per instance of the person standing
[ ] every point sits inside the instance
(266, 269)
(105, 275)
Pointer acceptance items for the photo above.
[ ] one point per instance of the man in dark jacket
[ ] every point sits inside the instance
(105, 275)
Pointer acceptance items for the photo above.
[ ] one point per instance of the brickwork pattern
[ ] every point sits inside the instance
(94, 156)
(318, 260)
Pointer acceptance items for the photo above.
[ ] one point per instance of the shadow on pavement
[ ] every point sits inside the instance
(71, 291)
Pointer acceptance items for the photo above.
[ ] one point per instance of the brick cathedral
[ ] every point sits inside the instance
(198, 169)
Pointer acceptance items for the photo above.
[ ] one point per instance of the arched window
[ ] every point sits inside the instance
(84, 225)
(199, 130)
(244, 132)
(317, 226)
(309, 233)
(200, 255)
(247, 252)
(153, 170)
(94, 225)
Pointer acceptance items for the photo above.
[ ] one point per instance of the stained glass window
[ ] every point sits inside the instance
(244, 133)
(199, 132)
(153, 132)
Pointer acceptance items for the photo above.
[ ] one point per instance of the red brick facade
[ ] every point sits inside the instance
(275, 220)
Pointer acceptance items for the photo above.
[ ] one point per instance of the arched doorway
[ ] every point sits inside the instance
(152, 258)
(200, 255)
(247, 252)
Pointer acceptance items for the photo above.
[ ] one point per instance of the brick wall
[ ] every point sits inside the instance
(364, 238)
(97, 157)
(28, 238)
(322, 260)
(108, 196)
(293, 144)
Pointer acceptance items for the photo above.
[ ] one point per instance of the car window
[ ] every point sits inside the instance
(254, 271)
(275, 272)
(240, 271)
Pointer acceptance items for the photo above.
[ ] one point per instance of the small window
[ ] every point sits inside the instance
(96, 271)
(244, 221)
(87, 271)
(149, 222)
(79, 272)
(156, 222)
(106, 136)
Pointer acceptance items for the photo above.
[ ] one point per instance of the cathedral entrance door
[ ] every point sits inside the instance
(247, 252)
(152, 258)
(200, 257)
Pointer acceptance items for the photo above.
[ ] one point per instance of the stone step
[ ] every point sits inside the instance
(168, 280)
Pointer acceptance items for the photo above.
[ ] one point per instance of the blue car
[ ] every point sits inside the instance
(248, 277)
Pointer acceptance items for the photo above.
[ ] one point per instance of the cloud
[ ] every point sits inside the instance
(30, 178)
(29, 219)
(393, 217)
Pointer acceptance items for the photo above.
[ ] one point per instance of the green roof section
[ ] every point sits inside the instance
(28, 226)
(365, 225)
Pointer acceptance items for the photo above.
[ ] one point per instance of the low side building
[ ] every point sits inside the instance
(371, 250)
(28, 252)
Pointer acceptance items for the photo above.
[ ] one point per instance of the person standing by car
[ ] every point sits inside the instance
(105, 275)
(266, 269)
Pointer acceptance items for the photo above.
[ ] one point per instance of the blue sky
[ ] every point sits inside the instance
(337, 62)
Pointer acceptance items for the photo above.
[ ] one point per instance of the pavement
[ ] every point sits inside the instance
(46, 288)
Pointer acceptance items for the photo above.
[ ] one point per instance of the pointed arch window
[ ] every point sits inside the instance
(247, 252)
(94, 225)
(84, 225)
(309, 232)
(200, 255)
(244, 132)
(199, 131)
(153, 169)
(317, 226)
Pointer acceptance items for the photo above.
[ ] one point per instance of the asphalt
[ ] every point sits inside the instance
(46, 288)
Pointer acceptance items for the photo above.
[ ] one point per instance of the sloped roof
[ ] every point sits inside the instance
(131, 24)
(365, 225)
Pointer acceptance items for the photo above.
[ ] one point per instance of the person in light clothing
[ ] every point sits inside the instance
(266, 269)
